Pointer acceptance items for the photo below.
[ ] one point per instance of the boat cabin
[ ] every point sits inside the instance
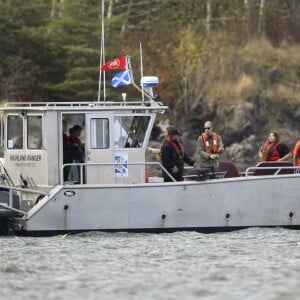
(114, 137)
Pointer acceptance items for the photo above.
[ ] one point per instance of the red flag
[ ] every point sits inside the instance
(119, 63)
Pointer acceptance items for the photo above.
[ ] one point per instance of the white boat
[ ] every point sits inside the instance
(117, 189)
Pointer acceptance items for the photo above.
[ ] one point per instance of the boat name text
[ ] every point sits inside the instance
(25, 157)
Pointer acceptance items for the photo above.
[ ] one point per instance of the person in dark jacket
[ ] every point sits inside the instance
(173, 157)
(78, 146)
(67, 150)
(77, 154)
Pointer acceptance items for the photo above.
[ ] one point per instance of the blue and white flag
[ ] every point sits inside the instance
(121, 78)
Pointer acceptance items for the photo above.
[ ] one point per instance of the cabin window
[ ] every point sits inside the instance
(34, 132)
(99, 133)
(130, 131)
(14, 132)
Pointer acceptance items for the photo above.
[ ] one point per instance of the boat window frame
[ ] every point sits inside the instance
(106, 128)
(7, 135)
(132, 144)
(42, 132)
(25, 131)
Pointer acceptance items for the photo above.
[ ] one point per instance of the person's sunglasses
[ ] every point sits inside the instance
(207, 127)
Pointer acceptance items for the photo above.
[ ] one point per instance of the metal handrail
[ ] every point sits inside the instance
(249, 171)
(11, 190)
(2, 205)
(82, 165)
(77, 104)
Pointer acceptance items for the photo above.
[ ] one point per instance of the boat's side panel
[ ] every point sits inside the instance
(272, 201)
(255, 202)
(76, 209)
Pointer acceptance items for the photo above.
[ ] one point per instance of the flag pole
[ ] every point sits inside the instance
(102, 56)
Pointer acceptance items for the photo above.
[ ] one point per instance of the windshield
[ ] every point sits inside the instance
(130, 131)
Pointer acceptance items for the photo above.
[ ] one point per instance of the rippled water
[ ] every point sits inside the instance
(248, 264)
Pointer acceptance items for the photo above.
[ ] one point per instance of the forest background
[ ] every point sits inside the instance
(235, 62)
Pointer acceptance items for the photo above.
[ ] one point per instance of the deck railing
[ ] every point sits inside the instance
(87, 104)
(82, 167)
(251, 171)
(12, 191)
(264, 171)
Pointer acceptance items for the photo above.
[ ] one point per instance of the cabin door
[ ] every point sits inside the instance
(99, 155)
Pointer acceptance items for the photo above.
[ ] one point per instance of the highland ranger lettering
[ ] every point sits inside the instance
(36, 157)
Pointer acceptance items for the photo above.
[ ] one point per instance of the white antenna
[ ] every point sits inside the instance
(102, 55)
(142, 75)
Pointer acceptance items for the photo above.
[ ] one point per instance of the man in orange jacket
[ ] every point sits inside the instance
(296, 154)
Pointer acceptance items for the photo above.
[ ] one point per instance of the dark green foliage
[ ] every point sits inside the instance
(49, 50)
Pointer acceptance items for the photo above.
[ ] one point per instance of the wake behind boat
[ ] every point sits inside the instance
(117, 189)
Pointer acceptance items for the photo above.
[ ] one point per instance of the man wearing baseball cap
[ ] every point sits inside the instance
(173, 157)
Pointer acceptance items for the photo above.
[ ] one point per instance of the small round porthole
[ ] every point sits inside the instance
(163, 217)
(66, 207)
(291, 215)
(227, 216)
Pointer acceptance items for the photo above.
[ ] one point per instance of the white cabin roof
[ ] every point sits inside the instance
(148, 106)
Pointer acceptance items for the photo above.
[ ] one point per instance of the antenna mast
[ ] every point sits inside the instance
(142, 75)
(102, 56)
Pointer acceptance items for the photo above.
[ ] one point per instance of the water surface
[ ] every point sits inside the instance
(255, 263)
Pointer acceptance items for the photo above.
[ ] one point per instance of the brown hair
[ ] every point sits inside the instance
(268, 147)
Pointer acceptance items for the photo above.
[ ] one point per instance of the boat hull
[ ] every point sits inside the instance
(210, 206)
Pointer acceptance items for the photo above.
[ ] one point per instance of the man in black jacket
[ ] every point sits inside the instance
(173, 157)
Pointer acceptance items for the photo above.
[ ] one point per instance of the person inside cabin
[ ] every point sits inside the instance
(74, 138)
(77, 155)
(173, 157)
(209, 148)
(67, 149)
(135, 144)
(274, 150)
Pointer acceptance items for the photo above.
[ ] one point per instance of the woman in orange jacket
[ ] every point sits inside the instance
(296, 154)
(274, 150)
